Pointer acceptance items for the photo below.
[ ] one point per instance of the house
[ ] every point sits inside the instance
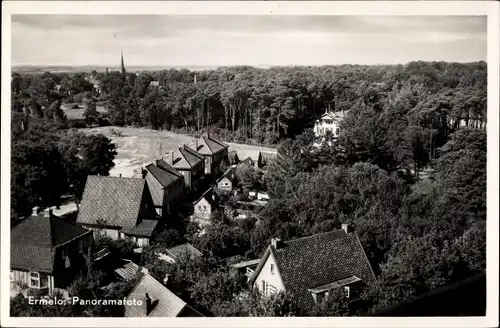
(246, 268)
(150, 298)
(166, 185)
(227, 181)
(311, 267)
(127, 271)
(189, 163)
(154, 83)
(118, 207)
(205, 205)
(213, 150)
(183, 251)
(329, 123)
(46, 252)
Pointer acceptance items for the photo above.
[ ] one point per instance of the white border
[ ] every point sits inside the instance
(489, 8)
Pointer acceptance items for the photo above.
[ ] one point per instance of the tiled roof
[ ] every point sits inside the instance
(317, 260)
(128, 271)
(33, 240)
(184, 250)
(192, 157)
(113, 200)
(166, 303)
(183, 158)
(164, 177)
(144, 229)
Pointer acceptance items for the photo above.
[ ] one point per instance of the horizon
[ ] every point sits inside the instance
(223, 41)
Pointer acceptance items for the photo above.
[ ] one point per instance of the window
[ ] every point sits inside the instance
(34, 279)
(64, 253)
(272, 268)
(268, 289)
(11, 275)
(346, 291)
(80, 246)
(338, 131)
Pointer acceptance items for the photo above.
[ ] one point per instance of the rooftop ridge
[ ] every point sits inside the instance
(319, 234)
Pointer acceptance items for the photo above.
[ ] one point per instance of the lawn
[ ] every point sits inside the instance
(137, 146)
(77, 114)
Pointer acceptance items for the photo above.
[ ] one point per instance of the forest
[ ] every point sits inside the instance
(419, 233)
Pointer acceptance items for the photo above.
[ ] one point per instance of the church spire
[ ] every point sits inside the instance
(123, 64)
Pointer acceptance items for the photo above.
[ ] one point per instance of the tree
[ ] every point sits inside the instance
(91, 114)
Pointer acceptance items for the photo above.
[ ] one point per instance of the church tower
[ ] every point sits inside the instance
(122, 64)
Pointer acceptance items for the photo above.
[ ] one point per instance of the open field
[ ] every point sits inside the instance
(77, 114)
(137, 146)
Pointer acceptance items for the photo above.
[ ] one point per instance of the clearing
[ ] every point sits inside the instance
(138, 146)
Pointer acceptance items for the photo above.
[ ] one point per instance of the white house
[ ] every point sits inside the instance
(329, 122)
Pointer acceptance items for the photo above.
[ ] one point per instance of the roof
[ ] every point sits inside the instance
(210, 196)
(128, 271)
(206, 145)
(33, 241)
(113, 200)
(183, 158)
(229, 174)
(144, 229)
(166, 303)
(184, 250)
(317, 260)
(245, 264)
(163, 175)
(337, 116)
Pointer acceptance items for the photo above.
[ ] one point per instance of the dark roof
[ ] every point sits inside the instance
(210, 195)
(33, 241)
(206, 145)
(317, 260)
(230, 174)
(192, 157)
(166, 303)
(184, 250)
(114, 200)
(165, 177)
(144, 229)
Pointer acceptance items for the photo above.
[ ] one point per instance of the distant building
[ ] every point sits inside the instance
(329, 123)
(118, 208)
(213, 150)
(166, 185)
(127, 271)
(179, 252)
(227, 181)
(46, 253)
(311, 267)
(156, 300)
(189, 163)
(205, 205)
(154, 83)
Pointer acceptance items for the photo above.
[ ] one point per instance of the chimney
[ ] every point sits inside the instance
(47, 213)
(276, 243)
(36, 211)
(347, 227)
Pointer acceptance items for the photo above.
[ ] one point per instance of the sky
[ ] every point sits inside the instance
(208, 40)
